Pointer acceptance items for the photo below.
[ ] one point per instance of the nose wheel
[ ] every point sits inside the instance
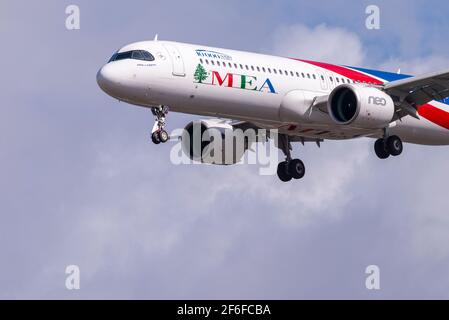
(388, 146)
(158, 134)
(290, 168)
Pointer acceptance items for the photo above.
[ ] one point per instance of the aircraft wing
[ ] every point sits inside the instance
(415, 91)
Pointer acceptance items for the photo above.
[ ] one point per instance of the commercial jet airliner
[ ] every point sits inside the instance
(305, 101)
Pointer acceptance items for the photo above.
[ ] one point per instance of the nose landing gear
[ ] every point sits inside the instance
(158, 134)
(385, 147)
(290, 168)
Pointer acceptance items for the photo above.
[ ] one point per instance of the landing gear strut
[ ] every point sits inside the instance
(385, 147)
(290, 168)
(158, 134)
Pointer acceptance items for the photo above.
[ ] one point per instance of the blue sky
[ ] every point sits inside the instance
(82, 184)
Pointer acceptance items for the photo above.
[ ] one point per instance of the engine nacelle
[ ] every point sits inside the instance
(362, 107)
(296, 107)
(213, 141)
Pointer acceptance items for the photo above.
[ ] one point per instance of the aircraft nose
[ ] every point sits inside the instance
(107, 79)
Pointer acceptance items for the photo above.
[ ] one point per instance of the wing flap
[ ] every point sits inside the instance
(421, 89)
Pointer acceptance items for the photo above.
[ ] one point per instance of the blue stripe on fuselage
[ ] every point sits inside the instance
(387, 76)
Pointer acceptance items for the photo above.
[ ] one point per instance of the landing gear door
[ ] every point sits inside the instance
(176, 58)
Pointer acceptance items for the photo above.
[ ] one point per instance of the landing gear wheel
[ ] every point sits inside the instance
(394, 145)
(155, 137)
(381, 149)
(283, 172)
(296, 168)
(159, 134)
(163, 136)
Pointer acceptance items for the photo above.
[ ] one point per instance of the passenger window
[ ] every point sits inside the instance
(269, 70)
(212, 62)
(218, 63)
(302, 74)
(275, 71)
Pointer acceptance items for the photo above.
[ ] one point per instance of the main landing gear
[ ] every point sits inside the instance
(385, 147)
(290, 168)
(158, 134)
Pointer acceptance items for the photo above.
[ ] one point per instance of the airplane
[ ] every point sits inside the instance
(305, 101)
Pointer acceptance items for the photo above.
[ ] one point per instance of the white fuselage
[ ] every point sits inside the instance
(246, 86)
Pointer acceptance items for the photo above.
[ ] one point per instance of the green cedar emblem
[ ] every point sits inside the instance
(200, 74)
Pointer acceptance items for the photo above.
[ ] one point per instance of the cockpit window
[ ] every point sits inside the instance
(134, 54)
(113, 57)
(123, 55)
(147, 56)
(137, 55)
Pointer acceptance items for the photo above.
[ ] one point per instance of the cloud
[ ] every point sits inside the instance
(416, 66)
(321, 43)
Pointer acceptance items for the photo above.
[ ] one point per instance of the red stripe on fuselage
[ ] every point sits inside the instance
(427, 111)
(346, 72)
(435, 115)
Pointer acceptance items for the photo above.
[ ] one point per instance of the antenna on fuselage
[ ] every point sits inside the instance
(399, 71)
(155, 37)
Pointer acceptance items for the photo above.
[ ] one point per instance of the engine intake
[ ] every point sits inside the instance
(362, 107)
(214, 142)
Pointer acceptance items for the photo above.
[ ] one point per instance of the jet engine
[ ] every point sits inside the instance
(214, 141)
(362, 107)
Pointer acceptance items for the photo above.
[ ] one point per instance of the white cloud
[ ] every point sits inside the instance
(417, 66)
(321, 43)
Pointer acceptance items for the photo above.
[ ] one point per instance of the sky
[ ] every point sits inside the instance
(82, 184)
